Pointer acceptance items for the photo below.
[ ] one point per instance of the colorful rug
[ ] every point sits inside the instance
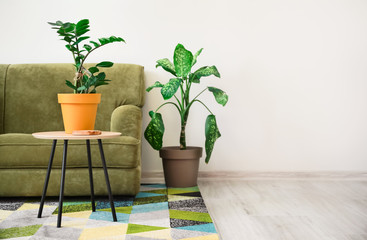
(156, 212)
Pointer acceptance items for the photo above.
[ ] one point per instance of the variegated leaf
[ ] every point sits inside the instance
(167, 65)
(211, 135)
(204, 72)
(220, 96)
(155, 130)
(170, 88)
(196, 56)
(182, 60)
(155, 85)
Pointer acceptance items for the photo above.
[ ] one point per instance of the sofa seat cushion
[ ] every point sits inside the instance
(18, 150)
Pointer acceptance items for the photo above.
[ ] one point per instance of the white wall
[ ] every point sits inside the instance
(295, 71)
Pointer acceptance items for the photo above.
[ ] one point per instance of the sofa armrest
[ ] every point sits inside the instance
(127, 119)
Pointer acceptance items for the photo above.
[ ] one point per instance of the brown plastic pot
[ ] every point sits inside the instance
(181, 166)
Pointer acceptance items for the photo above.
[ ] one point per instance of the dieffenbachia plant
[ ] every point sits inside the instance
(184, 78)
(86, 80)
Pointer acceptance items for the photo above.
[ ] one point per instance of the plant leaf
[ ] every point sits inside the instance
(53, 24)
(204, 72)
(93, 70)
(154, 131)
(82, 88)
(81, 32)
(95, 44)
(103, 41)
(169, 89)
(195, 56)
(68, 27)
(101, 76)
(82, 23)
(80, 57)
(211, 135)
(67, 39)
(81, 39)
(105, 64)
(69, 84)
(120, 39)
(182, 60)
(112, 39)
(87, 47)
(220, 96)
(167, 65)
(82, 27)
(155, 85)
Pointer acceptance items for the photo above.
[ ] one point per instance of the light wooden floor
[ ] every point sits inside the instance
(287, 209)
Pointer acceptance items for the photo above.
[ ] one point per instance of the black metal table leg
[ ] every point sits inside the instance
(107, 180)
(47, 179)
(61, 197)
(90, 176)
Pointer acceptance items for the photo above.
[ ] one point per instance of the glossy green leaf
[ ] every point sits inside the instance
(81, 39)
(220, 96)
(95, 44)
(155, 85)
(80, 57)
(93, 70)
(211, 135)
(67, 39)
(82, 27)
(81, 32)
(167, 65)
(87, 47)
(103, 41)
(195, 56)
(155, 130)
(105, 64)
(182, 60)
(204, 72)
(54, 24)
(82, 88)
(101, 76)
(69, 84)
(114, 39)
(68, 27)
(82, 23)
(120, 39)
(92, 81)
(169, 89)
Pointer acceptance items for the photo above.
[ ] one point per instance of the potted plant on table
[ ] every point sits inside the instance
(79, 109)
(181, 163)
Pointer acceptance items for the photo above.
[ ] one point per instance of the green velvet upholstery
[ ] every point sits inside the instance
(28, 103)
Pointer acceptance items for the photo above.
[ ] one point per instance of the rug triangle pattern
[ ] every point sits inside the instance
(157, 212)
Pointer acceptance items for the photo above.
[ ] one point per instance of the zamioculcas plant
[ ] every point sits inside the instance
(178, 88)
(86, 80)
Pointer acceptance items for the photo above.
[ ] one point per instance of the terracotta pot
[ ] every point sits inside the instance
(181, 166)
(79, 110)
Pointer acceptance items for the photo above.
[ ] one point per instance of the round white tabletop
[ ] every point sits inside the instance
(65, 136)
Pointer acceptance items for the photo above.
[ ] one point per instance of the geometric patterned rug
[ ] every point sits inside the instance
(156, 212)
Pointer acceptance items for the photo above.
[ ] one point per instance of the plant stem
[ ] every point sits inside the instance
(169, 103)
(204, 106)
(183, 131)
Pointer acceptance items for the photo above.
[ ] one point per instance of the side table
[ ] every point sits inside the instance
(60, 135)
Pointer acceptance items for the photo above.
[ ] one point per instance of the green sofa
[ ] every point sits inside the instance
(28, 104)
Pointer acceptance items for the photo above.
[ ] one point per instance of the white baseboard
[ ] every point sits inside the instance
(345, 175)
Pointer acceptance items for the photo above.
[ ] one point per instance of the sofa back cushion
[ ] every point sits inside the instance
(28, 95)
